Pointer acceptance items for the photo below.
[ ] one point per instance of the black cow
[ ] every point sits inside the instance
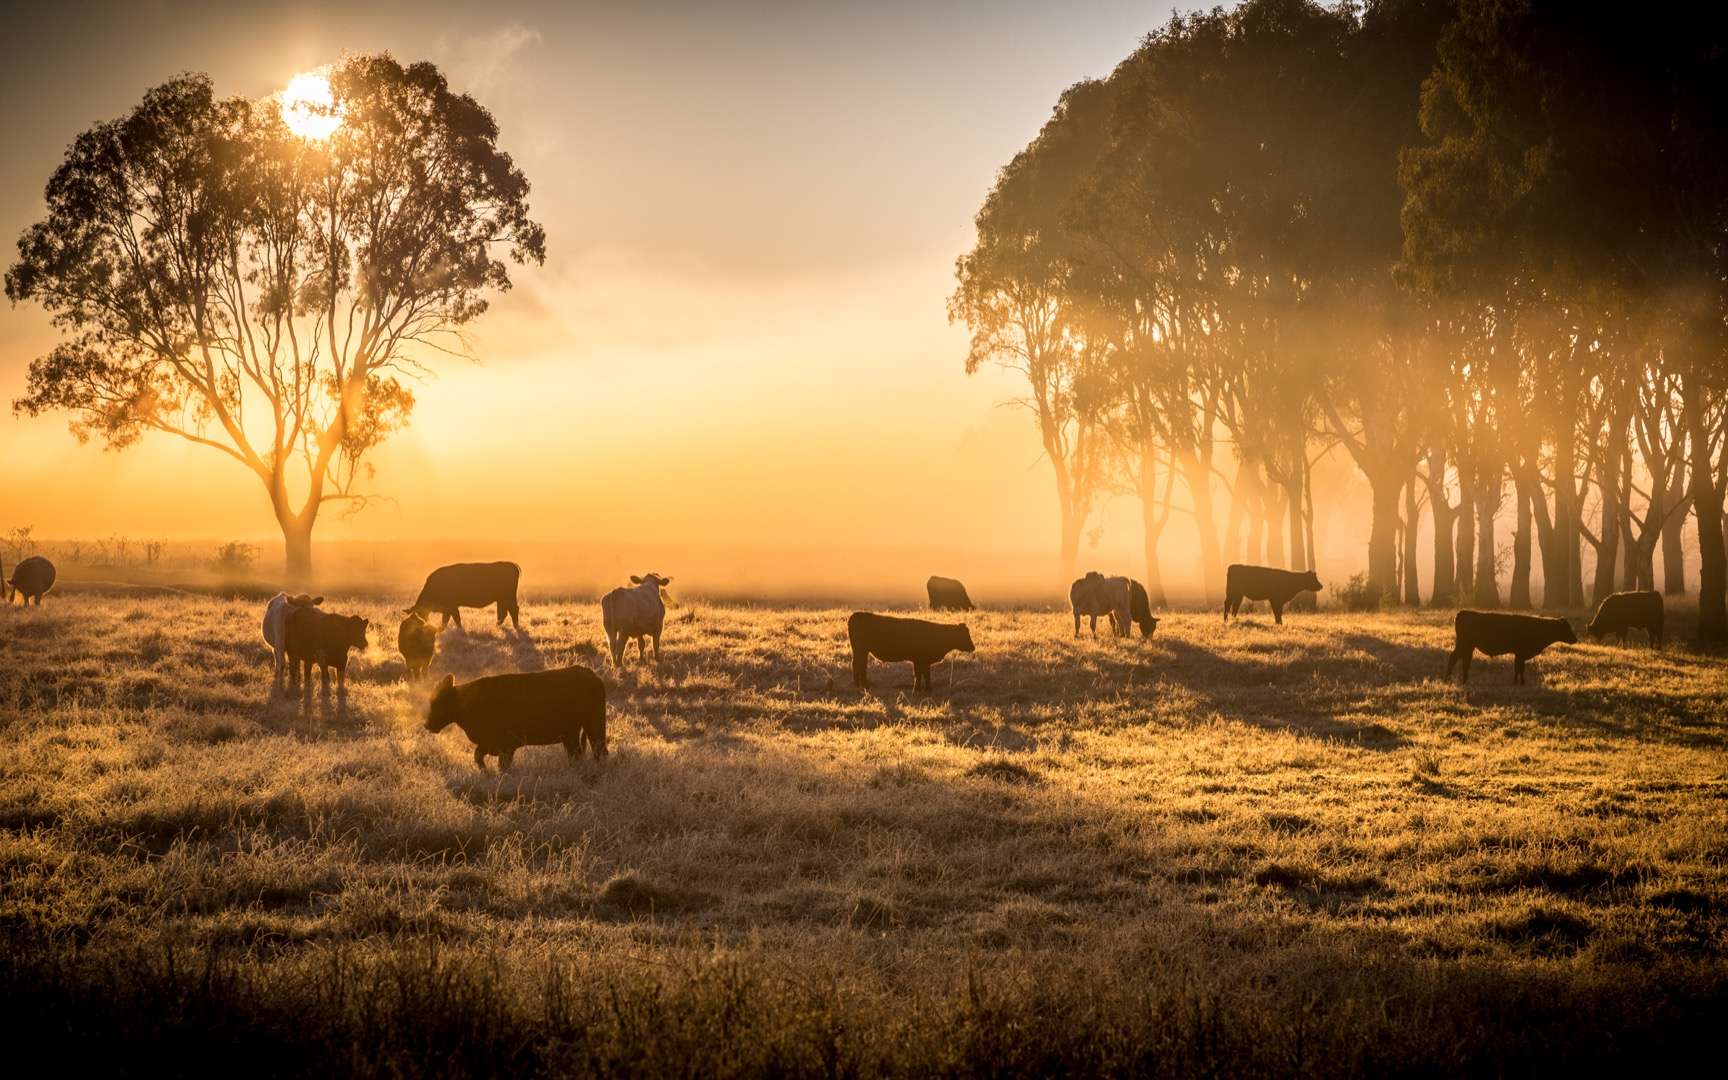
(1496, 633)
(449, 589)
(503, 713)
(893, 640)
(318, 638)
(1265, 583)
(1140, 608)
(947, 594)
(31, 579)
(1623, 611)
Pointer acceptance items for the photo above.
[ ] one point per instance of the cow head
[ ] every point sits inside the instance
(302, 599)
(353, 633)
(1311, 580)
(445, 709)
(1563, 632)
(964, 639)
(660, 580)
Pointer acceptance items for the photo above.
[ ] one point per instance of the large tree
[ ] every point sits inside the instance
(217, 277)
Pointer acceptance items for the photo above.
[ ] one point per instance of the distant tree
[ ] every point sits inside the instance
(1014, 294)
(218, 278)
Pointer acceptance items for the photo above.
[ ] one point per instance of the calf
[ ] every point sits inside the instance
(1622, 611)
(1496, 633)
(449, 589)
(31, 579)
(275, 626)
(316, 637)
(637, 612)
(418, 641)
(947, 594)
(893, 640)
(1265, 583)
(501, 714)
(1096, 595)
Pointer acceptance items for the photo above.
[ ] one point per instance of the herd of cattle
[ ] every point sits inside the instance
(567, 706)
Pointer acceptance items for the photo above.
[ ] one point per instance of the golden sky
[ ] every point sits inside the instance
(739, 334)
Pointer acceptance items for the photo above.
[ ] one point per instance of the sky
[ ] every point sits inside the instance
(739, 335)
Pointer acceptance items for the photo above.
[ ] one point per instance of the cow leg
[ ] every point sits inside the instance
(515, 615)
(1518, 669)
(573, 748)
(861, 666)
(480, 756)
(1468, 656)
(456, 614)
(1076, 624)
(920, 676)
(498, 609)
(1094, 619)
(505, 757)
(656, 648)
(1278, 612)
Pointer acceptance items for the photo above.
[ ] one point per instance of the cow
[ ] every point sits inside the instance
(947, 594)
(1096, 595)
(1496, 633)
(501, 714)
(418, 641)
(449, 589)
(1265, 583)
(317, 637)
(637, 612)
(31, 579)
(275, 626)
(1623, 611)
(893, 640)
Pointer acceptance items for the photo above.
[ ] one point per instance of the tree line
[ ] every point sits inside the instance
(1477, 246)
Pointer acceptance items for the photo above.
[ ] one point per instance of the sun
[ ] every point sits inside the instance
(309, 107)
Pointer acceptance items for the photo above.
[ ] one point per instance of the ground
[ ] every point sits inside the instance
(1244, 848)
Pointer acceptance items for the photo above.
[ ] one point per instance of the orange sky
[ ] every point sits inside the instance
(739, 334)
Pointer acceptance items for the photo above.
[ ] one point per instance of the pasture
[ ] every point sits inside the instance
(1247, 849)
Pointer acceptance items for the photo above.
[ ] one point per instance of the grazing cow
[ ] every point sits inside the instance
(1265, 583)
(503, 713)
(1496, 633)
(316, 637)
(1623, 611)
(637, 612)
(449, 589)
(418, 640)
(31, 579)
(893, 640)
(1140, 608)
(947, 594)
(276, 624)
(1096, 595)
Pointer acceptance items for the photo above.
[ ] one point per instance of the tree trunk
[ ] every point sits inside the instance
(1412, 524)
(1486, 593)
(1707, 508)
(1197, 476)
(1383, 532)
(1445, 518)
(1272, 502)
(1518, 597)
(1673, 539)
(1070, 552)
(1466, 575)
(1608, 536)
(1250, 492)
(297, 543)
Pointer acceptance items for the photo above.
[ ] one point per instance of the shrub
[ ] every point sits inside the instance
(1360, 594)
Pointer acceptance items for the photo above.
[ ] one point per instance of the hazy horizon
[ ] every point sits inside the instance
(759, 206)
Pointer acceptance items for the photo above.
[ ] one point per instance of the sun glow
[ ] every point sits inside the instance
(309, 107)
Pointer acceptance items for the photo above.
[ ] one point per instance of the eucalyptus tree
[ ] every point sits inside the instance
(1015, 294)
(216, 277)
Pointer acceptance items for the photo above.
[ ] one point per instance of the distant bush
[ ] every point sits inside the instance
(235, 557)
(1360, 594)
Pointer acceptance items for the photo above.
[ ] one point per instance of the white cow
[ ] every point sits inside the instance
(276, 623)
(636, 612)
(1097, 595)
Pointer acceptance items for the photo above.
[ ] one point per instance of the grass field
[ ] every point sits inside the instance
(1252, 850)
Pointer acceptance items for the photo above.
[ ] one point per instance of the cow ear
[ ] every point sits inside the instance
(316, 600)
(665, 581)
(447, 683)
(635, 579)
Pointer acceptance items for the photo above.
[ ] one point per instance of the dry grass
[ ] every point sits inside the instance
(1251, 849)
